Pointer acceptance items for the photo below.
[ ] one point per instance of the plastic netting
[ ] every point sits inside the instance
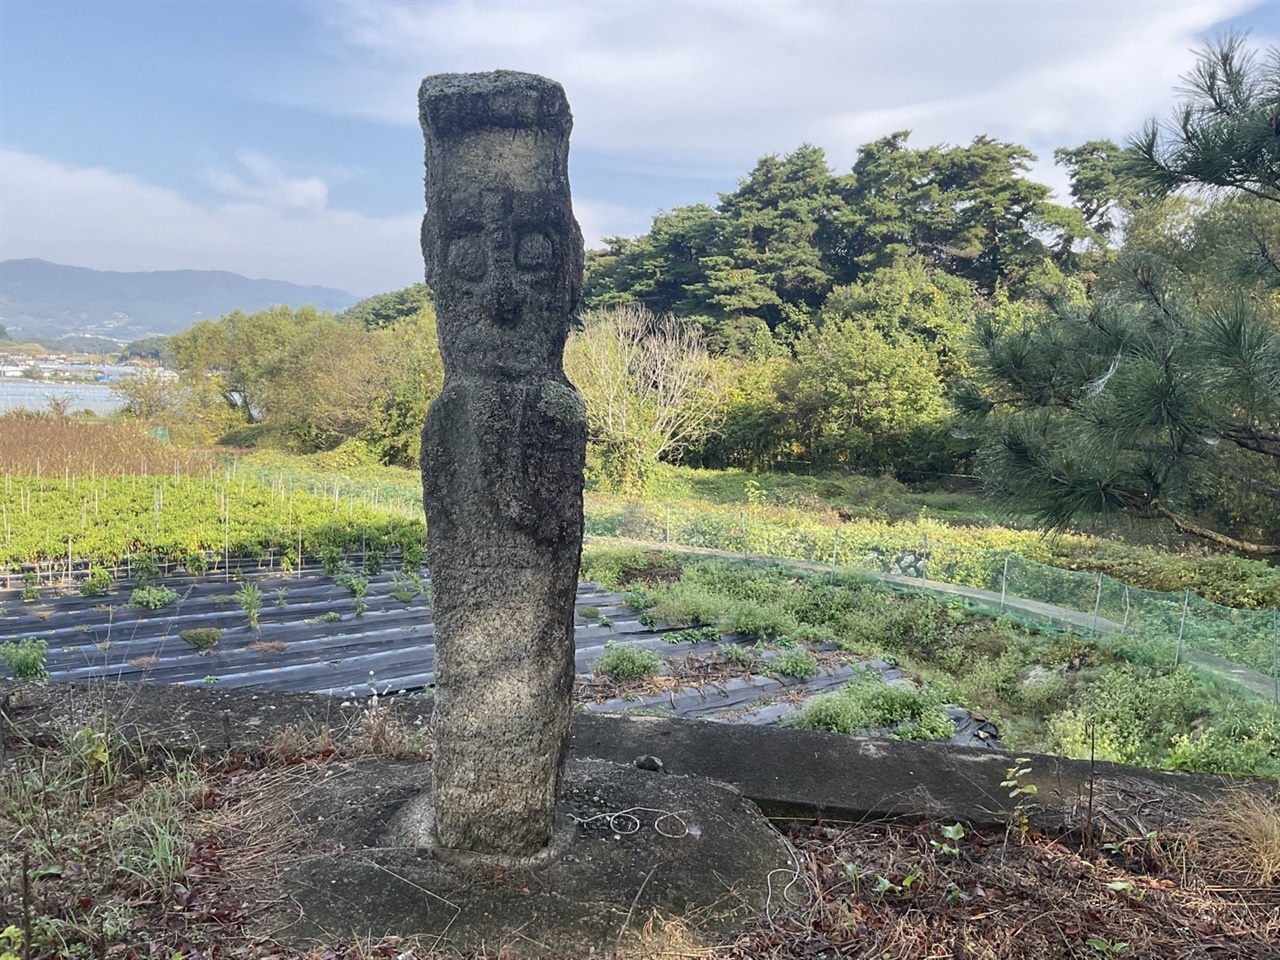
(1162, 627)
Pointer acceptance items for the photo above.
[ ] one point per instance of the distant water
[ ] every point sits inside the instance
(34, 395)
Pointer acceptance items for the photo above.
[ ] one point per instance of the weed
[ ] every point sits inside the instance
(1242, 833)
(25, 658)
(280, 596)
(1107, 947)
(588, 613)
(797, 662)
(605, 622)
(692, 635)
(626, 661)
(952, 834)
(867, 704)
(249, 596)
(1019, 790)
(269, 646)
(733, 653)
(152, 597)
(359, 587)
(647, 620)
(202, 638)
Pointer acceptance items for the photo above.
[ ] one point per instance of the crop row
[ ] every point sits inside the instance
(183, 518)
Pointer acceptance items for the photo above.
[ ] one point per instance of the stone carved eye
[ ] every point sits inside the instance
(467, 259)
(534, 251)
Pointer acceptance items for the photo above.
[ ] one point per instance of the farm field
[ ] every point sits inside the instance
(333, 559)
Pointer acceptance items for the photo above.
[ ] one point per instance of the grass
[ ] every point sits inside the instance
(626, 661)
(172, 854)
(868, 704)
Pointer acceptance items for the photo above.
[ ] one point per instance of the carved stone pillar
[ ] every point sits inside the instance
(502, 454)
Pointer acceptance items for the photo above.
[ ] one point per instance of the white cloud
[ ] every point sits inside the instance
(105, 220)
(603, 218)
(702, 86)
(264, 181)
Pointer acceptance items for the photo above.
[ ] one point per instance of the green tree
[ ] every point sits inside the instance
(1224, 136)
(1101, 190)
(1160, 398)
(385, 309)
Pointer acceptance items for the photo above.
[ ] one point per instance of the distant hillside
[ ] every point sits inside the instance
(46, 300)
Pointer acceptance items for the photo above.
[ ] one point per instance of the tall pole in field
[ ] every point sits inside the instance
(502, 454)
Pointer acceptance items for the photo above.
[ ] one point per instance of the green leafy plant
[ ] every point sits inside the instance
(25, 658)
(202, 638)
(952, 834)
(97, 583)
(1019, 790)
(588, 613)
(626, 661)
(797, 662)
(30, 588)
(691, 635)
(605, 622)
(359, 587)
(1107, 947)
(249, 596)
(867, 704)
(152, 597)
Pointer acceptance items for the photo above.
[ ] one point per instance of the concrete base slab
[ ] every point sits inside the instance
(633, 841)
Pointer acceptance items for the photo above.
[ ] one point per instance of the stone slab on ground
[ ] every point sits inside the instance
(788, 773)
(631, 841)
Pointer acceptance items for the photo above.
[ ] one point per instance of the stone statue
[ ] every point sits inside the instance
(502, 454)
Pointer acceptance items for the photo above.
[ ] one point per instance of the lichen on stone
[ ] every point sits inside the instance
(562, 403)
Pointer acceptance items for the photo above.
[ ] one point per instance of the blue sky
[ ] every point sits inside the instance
(280, 139)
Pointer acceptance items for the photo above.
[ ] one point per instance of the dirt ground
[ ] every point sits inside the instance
(1205, 886)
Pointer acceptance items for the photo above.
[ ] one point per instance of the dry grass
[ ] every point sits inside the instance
(44, 444)
(663, 938)
(1239, 837)
(890, 892)
(269, 646)
(378, 732)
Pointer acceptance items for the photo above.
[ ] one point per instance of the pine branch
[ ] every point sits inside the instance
(1205, 533)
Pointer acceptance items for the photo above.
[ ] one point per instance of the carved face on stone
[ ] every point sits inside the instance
(502, 250)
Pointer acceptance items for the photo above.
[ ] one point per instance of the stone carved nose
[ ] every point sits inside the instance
(500, 301)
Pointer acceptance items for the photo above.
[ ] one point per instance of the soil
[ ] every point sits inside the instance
(286, 794)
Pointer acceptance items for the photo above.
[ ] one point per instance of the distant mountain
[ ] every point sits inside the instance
(46, 300)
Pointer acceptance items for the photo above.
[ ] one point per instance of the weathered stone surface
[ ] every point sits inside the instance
(502, 453)
(633, 841)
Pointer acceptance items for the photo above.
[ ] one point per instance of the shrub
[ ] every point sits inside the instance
(608, 566)
(797, 662)
(867, 704)
(25, 658)
(202, 638)
(152, 598)
(1242, 741)
(97, 583)
(689, 603)
(626, 661)
(755, 619)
